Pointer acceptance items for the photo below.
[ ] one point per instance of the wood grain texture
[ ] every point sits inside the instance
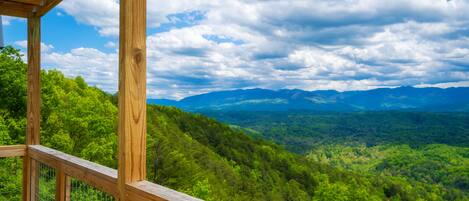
(27, 8)
(34, 81)
(14, 9)
(32, 2)
(98, 176)
(47, 6)
(30, 178)
(68, 188)
(30, 168)
(147, 191)
(12, 151)
(63, 185)
(132, 93)
(101, 177)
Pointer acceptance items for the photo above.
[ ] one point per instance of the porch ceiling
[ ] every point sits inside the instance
(26, 8)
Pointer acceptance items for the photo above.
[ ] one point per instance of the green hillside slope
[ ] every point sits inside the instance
(187, 152)
(438, 164)
(416, 146)
(302, 131)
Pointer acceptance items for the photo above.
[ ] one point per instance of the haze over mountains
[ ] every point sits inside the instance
(401, 98)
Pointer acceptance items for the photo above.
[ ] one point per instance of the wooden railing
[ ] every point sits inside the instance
(100, 177)
(12, 151)
(126, 184)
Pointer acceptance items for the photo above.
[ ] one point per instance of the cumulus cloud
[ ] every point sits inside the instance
(6, 20)
(102, 14)
(98, 68)
(110, 44)
(44, 47)
(337, 44)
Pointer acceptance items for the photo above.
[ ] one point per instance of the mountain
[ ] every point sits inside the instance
(401, 98)
(188, 152)
(164, 102)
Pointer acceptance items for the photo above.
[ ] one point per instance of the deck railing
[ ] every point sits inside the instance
(61, 169)
(59, 176)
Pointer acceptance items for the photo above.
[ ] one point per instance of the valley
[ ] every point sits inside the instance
(215, 161)
(414, 146)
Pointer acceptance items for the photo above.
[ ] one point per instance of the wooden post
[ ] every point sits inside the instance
(63, 185)
(132, 94)
(33, 106)
(34, 80)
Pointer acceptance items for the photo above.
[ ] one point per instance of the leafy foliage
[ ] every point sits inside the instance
(302, 131)
(187, 152)
(435, 164)
(430, 148)
(439, 164)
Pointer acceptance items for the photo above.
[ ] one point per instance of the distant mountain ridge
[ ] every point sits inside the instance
(401, 98)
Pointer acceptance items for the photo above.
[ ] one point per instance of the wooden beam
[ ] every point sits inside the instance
(12, 151)
(30, 168)
(147, 191)
(14, 9)
(27, 8)
(47, 6)
(132, 93)
(32, 2)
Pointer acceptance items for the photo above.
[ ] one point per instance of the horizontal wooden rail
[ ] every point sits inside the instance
(103, 178)
(12, 151)
(148, 191)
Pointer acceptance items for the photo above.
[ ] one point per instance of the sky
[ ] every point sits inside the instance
(199, 46)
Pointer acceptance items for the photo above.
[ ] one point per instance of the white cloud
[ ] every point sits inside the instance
(446, 84)
(44, 47)
(98, 68)
(103, 14)
(110, 44)
(6, 20)
(337, 44)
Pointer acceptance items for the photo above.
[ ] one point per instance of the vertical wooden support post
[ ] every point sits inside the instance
(30, 171)
(132, 94)
(63, 185)
(34, 81)
(68, 188)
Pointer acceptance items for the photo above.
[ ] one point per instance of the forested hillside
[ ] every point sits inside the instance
(418, 146)
(187, 152)
(302, 131)
(436, 163)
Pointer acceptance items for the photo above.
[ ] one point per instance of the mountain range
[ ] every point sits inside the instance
(202, 157)
(402, 98)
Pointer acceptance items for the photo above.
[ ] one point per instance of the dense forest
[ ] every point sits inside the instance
(436, 163)
(417, 146)
(193, 153)
(301, 131)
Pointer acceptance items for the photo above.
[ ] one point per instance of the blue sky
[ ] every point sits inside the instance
(207, 45)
